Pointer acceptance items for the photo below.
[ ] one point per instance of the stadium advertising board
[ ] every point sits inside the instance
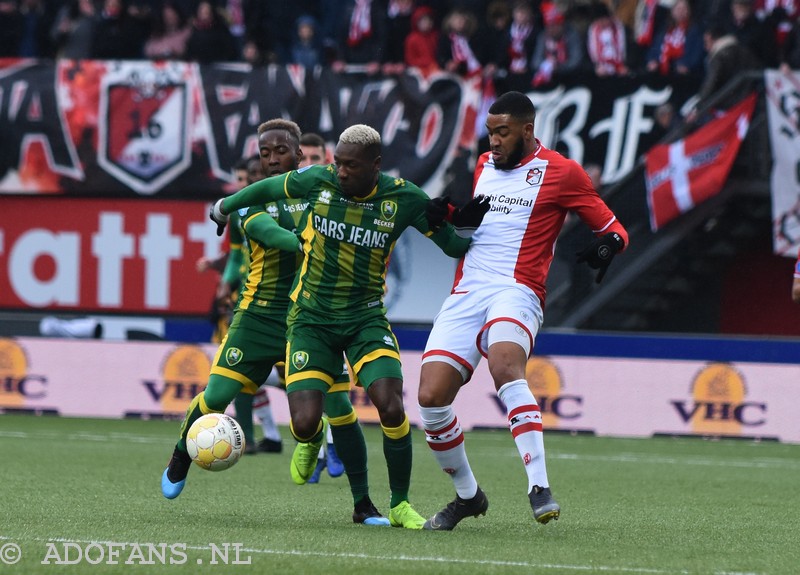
(633, 397)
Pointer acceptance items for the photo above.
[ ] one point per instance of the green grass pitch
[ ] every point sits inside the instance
(656, 506)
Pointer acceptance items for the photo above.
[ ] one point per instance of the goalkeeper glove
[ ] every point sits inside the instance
(437, 211)
(467, 219)
(600, 252)
(218, 217)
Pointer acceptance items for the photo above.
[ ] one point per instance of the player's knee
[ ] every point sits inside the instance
(438, 385)
(390, 408)
(304, 426)
(392, 415)
(431, 395)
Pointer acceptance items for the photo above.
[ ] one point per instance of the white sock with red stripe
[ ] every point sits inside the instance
(525, 423)
(263, 411)
(446, 440)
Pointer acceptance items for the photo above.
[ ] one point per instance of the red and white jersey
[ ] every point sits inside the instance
(516, 240)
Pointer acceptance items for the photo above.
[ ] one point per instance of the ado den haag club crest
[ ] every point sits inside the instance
(299, 359)
(143, 126)
(388, 209)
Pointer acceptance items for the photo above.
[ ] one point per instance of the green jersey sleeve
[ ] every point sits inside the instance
(294, 184)
(264, 229)
(233, 267)
(451, 244)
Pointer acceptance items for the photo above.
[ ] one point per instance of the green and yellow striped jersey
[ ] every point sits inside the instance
(271, 271)
(348, 241)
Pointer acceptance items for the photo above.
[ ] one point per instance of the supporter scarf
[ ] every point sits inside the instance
(607, 45)
(463, 53)
(645, 21)
(671, 48)
(360, 23)
(516, 50)
(555, 50)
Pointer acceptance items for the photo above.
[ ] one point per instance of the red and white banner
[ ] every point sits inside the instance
(132, 256)
(687, 172)
(783, 103)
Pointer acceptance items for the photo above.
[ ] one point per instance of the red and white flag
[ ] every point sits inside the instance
(687, 172)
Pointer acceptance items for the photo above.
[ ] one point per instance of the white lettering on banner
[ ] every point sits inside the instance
(626, 124)
(63, 248)
(158, 247)
(127, 257)
(110, 246)
(205, 233)
(549, 106)
(628, 121)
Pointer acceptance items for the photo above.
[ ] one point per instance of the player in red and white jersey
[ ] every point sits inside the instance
(796, 281)
(495, 308)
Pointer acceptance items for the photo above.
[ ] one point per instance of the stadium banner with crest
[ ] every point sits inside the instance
(609, 396)
(783, 118)
(176, 129)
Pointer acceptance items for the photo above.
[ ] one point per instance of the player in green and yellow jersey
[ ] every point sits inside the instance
(354, 217)
(256, 339)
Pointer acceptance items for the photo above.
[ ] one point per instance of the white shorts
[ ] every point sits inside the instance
(469, 323)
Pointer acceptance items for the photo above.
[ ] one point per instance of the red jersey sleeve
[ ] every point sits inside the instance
(578, 195)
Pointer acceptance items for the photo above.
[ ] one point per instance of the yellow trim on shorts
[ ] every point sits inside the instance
(313, 374)
(341, 386)
(247, 384)
(397, 432)
(344, 419)
(373, 355)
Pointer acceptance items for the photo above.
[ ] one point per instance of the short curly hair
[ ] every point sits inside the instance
(280, 124)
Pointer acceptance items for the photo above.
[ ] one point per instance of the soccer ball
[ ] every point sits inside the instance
(215, 441)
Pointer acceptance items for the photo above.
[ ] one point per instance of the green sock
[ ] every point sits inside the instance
(243, 404)
(398, 455)
(219, 392)
(193, 413)
(352, 450)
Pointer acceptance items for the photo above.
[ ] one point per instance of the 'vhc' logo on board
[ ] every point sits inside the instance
(718, 405)
(143, 125)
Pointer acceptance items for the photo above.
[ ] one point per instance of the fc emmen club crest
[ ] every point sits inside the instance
(299, 359)
(534, 177)
(388, 209)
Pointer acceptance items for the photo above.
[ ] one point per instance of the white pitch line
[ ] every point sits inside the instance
(635, 458)
(365, 556)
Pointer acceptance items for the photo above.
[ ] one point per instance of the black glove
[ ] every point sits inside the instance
(467, 219)
(437, 211)
(218, 217)
(600, 252)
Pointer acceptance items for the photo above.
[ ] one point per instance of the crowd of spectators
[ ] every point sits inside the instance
(520, 42)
